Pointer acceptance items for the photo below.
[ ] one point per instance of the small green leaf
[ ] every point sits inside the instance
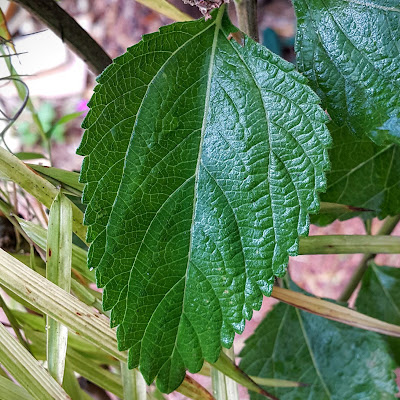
(24, 155)
(63, 120)
(349, 49)
(336, 361)
(379, 297)
(203, 160)
(363, 175)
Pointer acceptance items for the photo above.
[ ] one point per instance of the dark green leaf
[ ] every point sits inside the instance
(23, 155)
(379, 297)
(349, 49)
(203, 159)
(336, 361)
(363, 175)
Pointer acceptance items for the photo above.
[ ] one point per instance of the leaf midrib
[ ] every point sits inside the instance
(137, 116)
(312, 356)
(217, 23)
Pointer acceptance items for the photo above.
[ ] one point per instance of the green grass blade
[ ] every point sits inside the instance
(133, 383)
(27, 370)
(39, 236)
(58, 271)
(224, 388)
(10, 391)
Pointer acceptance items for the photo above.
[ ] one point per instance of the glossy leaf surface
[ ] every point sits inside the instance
(203, 159)
(349, 49)
(363, 175)
(336, 361)
(379, 297)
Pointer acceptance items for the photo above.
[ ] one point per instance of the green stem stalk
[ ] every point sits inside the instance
(350, 244)
(387, 227)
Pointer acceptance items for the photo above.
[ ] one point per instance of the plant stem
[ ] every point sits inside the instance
(246, 11)
(349, 244)
(224, 388)
(387, 227)
(70, 32)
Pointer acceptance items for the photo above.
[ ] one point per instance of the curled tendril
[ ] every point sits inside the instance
(12, 119)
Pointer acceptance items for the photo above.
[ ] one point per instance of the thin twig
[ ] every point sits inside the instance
(70, 32)
(18, 113)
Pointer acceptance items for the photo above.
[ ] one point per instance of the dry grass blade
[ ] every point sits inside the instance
(334, 312)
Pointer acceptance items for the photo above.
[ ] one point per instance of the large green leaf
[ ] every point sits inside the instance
(379, 297)
(336, 361)
(203, 159)
(349, 49)
(363, 175)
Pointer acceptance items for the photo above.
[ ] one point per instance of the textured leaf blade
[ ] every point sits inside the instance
(349, 49)
(336, 361)
(363, 175)
(379, 297)
(203, 159)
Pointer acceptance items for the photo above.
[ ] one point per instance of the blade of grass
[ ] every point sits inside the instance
(39, 236)
(133, 383)
(228, 368)
(277, 382)
(10, 391)
(13, 322)
(58, 271)
(63, 177)
(334, 312)
(27, 370)
(81, 364)
(77, 316)
(37, 186)
(71, 384)
(167, 9)
(36, 323)
(224, 388)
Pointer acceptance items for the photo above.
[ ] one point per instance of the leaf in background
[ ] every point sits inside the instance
(203, 159)
(379, 297)
(336, 361)
(349, 49)
(62, 121)
(362, 175)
